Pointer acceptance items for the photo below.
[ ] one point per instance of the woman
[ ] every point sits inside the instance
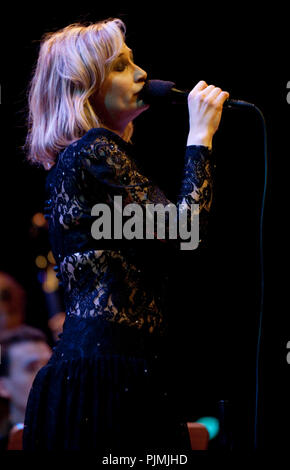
(107, 383)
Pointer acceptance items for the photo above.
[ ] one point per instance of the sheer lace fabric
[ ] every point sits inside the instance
(122, 281)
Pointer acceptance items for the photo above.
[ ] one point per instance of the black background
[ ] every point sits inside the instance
(215, 290)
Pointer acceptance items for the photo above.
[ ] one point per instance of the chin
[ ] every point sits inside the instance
(141, 106)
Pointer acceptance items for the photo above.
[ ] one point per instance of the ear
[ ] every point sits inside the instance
(4, 389)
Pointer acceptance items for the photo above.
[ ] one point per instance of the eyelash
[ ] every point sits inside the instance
(120, 67)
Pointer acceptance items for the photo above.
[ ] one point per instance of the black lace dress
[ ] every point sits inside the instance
(108, 382)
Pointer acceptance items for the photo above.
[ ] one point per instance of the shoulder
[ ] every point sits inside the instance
(96, 144)
(99, 142)
(102, 147)
(99, 152)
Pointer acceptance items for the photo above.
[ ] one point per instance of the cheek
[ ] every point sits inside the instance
(119, 93)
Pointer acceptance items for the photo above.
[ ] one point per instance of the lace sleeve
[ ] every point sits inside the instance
(112, 177)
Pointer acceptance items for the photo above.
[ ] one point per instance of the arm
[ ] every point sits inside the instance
(110, 167)
(113, 173)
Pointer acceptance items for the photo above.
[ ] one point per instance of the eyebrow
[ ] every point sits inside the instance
(130, 52)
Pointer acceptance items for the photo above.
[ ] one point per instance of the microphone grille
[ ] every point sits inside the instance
(156, 89)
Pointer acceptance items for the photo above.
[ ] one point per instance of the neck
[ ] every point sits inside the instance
(119, 128)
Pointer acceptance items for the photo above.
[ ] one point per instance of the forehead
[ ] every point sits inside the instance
(125, 49)
(21, 352)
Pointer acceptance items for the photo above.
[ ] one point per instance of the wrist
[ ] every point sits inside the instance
(199, 139)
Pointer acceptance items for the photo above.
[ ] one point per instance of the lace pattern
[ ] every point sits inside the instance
(126, 283)
(100, 283)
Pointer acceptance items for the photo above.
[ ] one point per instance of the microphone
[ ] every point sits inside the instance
(164, 92)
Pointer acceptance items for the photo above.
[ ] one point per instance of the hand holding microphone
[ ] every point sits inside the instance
(205, 105)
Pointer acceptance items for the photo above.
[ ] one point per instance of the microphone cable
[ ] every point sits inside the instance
(262, 280)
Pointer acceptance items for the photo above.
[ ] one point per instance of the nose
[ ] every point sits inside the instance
(140, 75)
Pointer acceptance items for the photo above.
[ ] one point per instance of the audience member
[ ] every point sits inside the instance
(12, 302)
(24, 350)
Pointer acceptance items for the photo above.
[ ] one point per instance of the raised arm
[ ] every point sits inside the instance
(116, 176)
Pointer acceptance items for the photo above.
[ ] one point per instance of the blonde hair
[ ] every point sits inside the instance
(71, 66)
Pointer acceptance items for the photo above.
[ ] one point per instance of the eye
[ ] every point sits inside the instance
(120, 66)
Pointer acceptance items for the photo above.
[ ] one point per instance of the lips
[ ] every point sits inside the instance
(139, 91)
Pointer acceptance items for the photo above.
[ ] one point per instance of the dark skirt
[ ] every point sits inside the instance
(106, 386)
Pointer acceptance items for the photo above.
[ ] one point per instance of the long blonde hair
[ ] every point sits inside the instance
(71, 66)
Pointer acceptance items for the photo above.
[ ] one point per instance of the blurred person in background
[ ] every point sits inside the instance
(55, 324)
(12, 302)
(24, 350)
(12, 314)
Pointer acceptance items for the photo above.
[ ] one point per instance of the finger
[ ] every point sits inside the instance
(213, 93)
(201, 85)
(222, 97)
(207, 90)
